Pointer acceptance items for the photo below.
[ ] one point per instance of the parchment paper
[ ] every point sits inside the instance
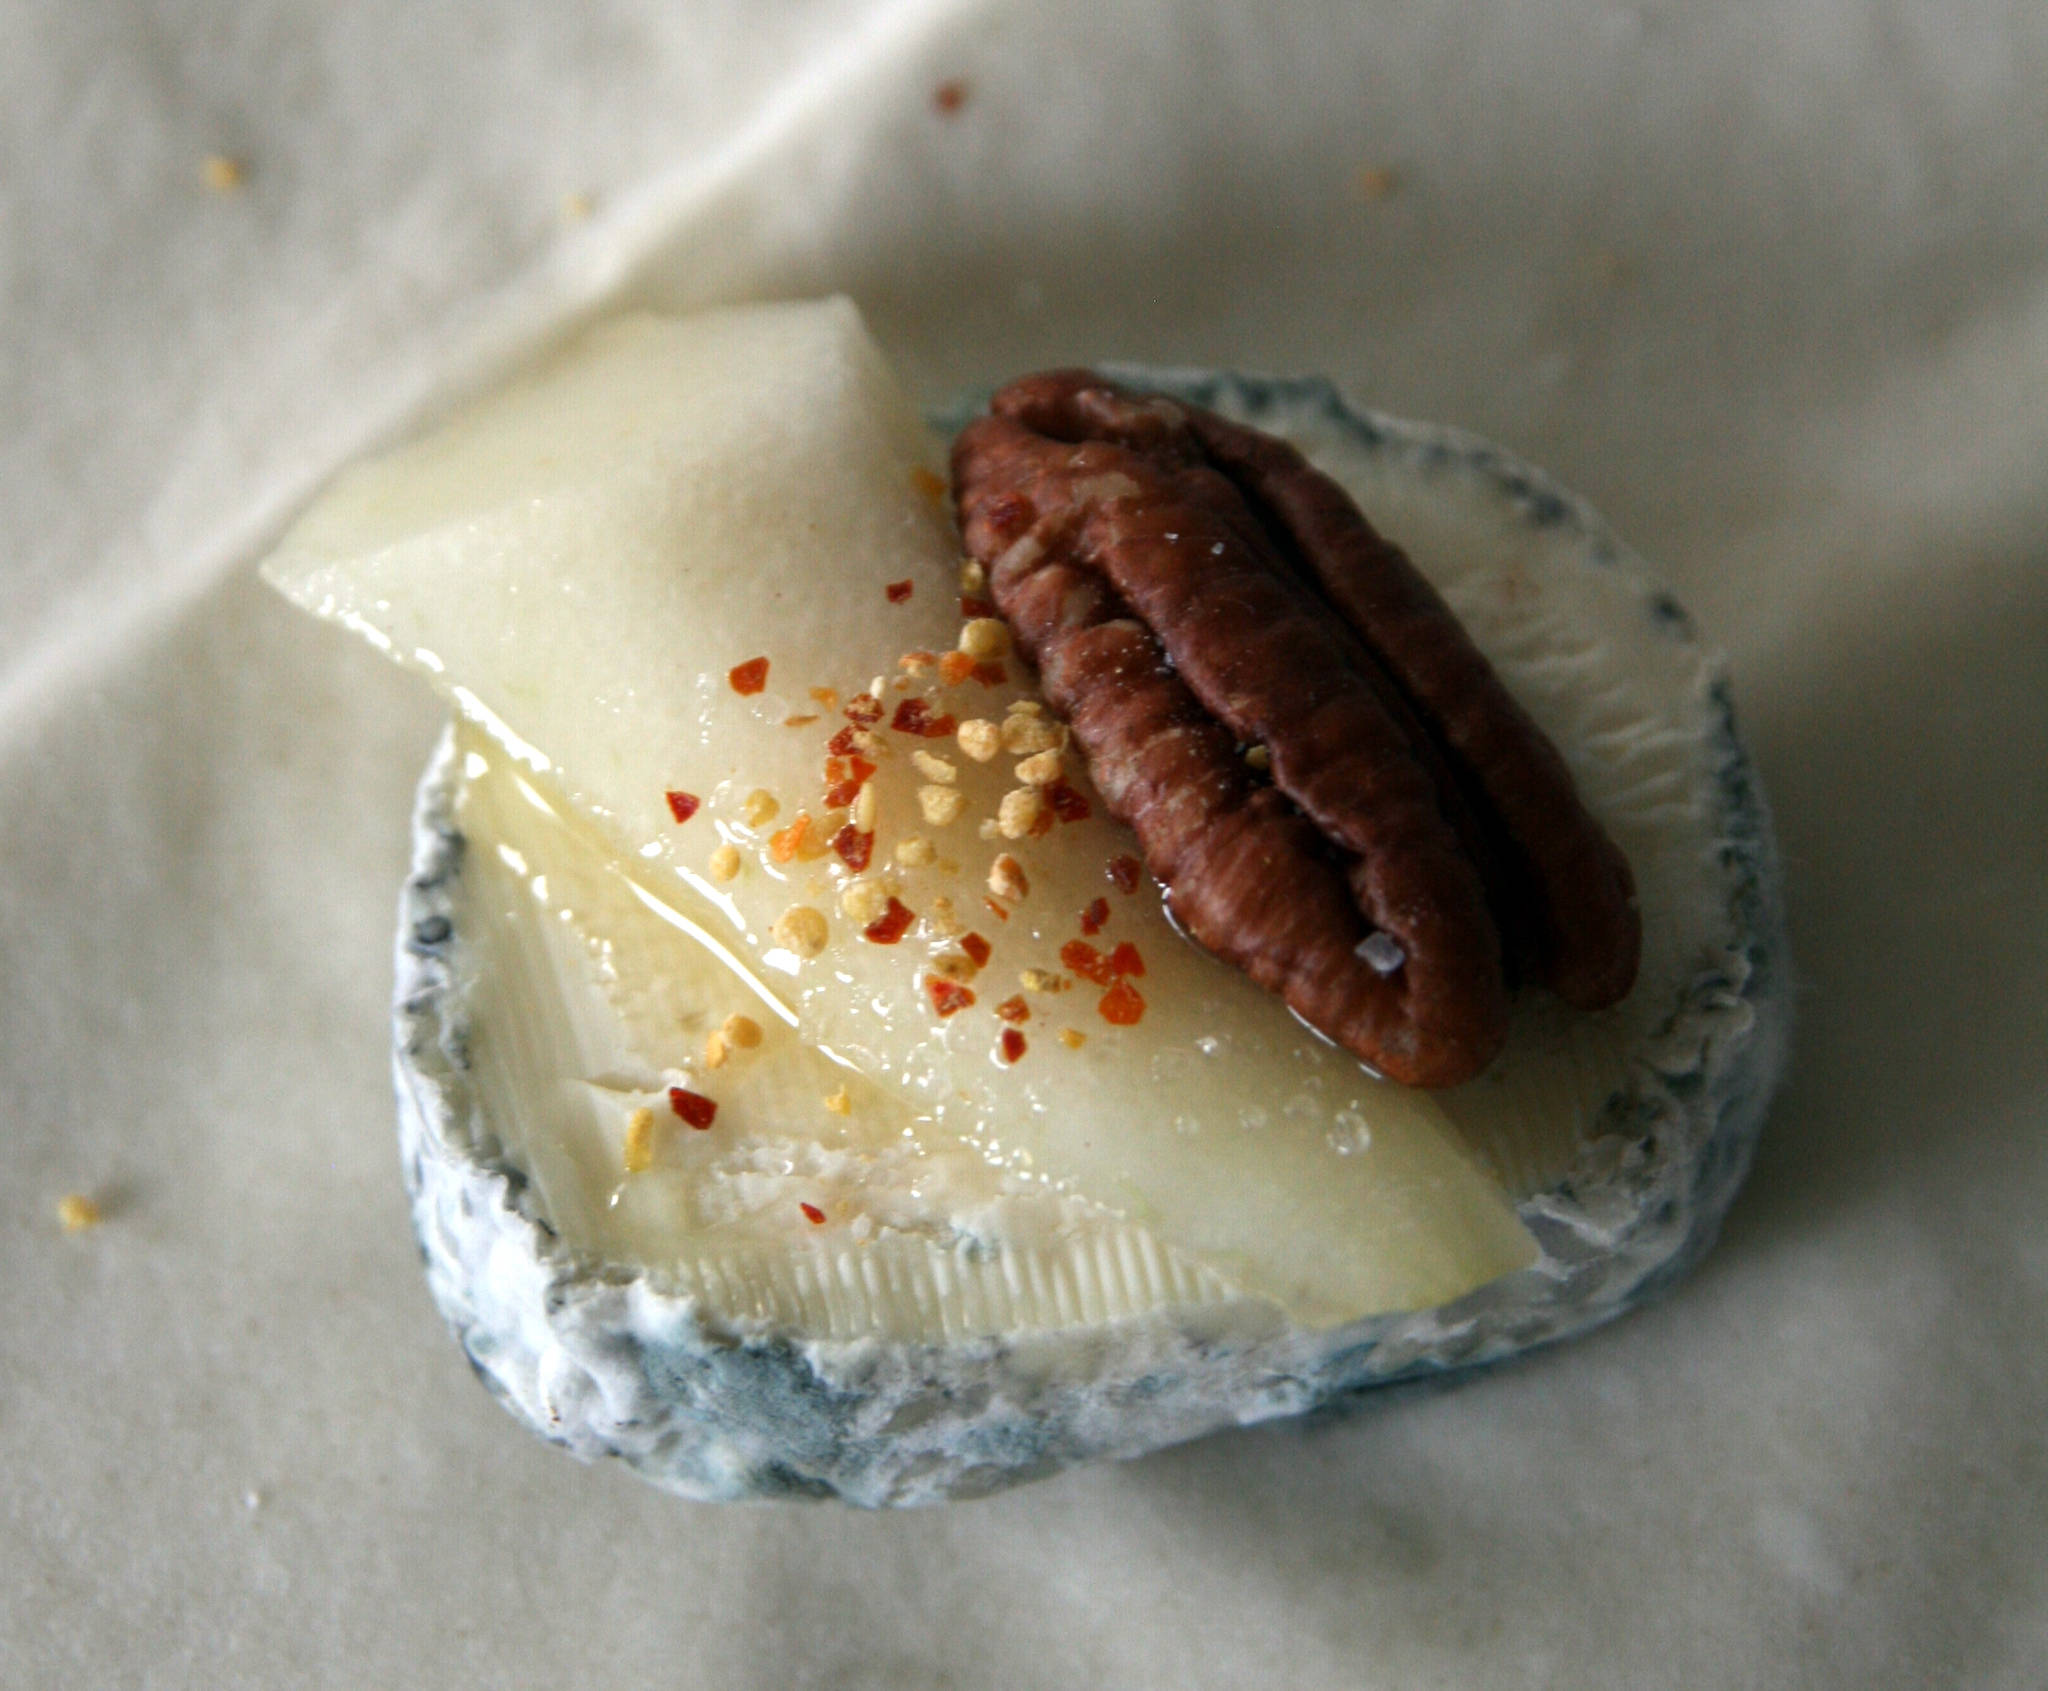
(1769, 285)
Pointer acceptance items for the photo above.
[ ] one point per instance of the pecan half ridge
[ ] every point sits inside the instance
(1190, 587)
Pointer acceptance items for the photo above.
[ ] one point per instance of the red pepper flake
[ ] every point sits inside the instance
(844, 778)
(914, 716)
(971, 607)
(1014, 1009)
(996, 910)
(977, 948)
(949, 97)
(990, 673)
(1067, 805)
(1093, 918)
(750, 677)
(1122, 1005)
(812, 1214)
(841, 743)
(1124, 873)
(785, 843)
(1084, 960)
(854, 847)
(955, 667)
(864, 710)
(1012, 1043)
(1126, 960)
(948, 997)
(693, 1107)
(683, 806)
(898, 591)
(892, 925)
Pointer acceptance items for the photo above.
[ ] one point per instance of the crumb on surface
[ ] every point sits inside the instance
(222, 173)
(759, 808)
(76, 1212)
(950, 96)
(941, 806)
(725, 862)
(840, 1103)
(1072, 1038)
(914, 851)
(1375, 182)
(577, 207)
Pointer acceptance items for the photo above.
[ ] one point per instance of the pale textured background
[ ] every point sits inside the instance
(1769, 284)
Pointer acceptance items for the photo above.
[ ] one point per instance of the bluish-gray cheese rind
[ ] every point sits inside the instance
(605, 1363)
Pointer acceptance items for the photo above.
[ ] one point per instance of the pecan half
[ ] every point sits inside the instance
(1191, 588)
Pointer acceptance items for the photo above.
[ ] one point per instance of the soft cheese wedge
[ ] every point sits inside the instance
(814, 1020)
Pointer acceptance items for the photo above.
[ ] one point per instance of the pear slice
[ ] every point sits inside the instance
(583, 562)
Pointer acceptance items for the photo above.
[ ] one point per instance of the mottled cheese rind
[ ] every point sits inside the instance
(607, 1364)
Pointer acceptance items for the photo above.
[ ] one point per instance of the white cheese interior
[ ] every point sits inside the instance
(579, 563)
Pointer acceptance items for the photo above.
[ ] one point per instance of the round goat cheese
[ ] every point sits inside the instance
(707, 1174)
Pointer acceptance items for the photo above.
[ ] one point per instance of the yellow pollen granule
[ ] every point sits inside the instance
(1072, 1038)
(639, 1147)
(802, 930)
(1006, 878)
(866, 901)
(954, 966)
(222, 174)
(984, 637)
(1019, 812)
(979, 739)
(840, 1103)
(1024, 735)
(76, 1212)
(1041, 769)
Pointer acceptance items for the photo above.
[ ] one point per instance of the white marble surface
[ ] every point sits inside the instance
(1772, 289)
